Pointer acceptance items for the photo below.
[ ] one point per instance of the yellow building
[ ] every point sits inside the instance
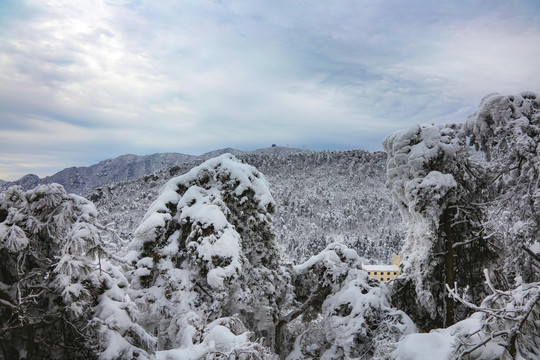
(384, 272)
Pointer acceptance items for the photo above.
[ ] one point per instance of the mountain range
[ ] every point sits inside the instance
(321, 196)
(83, 179)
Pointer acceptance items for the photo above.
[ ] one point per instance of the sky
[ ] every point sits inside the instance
(87, 80)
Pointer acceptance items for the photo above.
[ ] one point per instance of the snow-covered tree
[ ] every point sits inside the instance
(507, 130)
(224, 338)
(504, 326)
(204, 251)
(437, 184)
(59, 295)
(344, 313)
(500, 196)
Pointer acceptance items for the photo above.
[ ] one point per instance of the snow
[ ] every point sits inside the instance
(442, 343)
(424, 347)
(110, 311)
(226, 165)
(356, 318)
(321, 196)
(153, 221)
(438, 180)
(115, 348)
(535, 247)
(366, 307)
(324, 256)
(197, 203)
(172, 247)
(60, 249)
(335, 253)
(198, 206)
(205, 250)
(13, 238)
(219, 339)
(196, 259)
(203, 205)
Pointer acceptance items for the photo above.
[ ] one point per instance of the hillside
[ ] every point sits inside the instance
(321, 197)
(83, 179)
(223, 261)
(80, 180)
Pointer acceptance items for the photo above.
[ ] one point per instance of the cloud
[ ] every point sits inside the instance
(482, 57)
(93, 79)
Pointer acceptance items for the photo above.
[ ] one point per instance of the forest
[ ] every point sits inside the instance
(207, 274)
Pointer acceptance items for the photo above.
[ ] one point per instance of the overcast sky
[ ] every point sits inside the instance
(82, 81)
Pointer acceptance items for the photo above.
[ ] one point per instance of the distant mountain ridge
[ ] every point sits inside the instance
(321, 197)
(83, 179)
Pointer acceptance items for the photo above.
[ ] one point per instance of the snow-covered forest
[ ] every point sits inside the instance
(215, 261)
(321, 198)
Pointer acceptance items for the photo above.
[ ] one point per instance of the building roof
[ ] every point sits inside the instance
(380, 267)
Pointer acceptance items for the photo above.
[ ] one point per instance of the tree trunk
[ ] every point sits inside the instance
(30, 345)
(448, 265)
(319, 295)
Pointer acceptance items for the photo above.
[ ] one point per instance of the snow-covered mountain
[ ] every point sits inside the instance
(216, 266)
(83, 179)
(80, 180)
(321, 197)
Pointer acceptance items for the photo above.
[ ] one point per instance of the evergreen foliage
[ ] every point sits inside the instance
(60, 298)
(347, 314)
(321, 198)
(507, 131)
(207, 275)
(438, 184)
(205, 251)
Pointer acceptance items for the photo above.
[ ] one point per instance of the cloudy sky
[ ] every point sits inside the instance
(82, 81)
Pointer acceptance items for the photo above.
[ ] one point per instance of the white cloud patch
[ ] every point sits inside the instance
(482, 57)
(99, 78)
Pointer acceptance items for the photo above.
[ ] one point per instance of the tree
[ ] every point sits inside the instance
(204, 251)
(507, 318)
(59, 295)
(344, 313)
(437, 183)
(503, 326)
(507, 130)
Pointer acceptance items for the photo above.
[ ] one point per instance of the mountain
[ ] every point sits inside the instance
(27, 182)
(212, 154)
(321, 197)
(82, 179)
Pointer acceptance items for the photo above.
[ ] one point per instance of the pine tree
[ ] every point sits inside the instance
(344, 314)
(437, 184)
(504, 167)
(205, 250)
(59, 296)
(507, 130)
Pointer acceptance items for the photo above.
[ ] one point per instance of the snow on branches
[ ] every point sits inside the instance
(349, 314)
(507, 318)
(206, 250)
(504, 326)
(487, 218)
(432, 179)
(60, 296)
(507, 130)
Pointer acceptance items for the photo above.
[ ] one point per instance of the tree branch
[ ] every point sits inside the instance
(532, 254)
